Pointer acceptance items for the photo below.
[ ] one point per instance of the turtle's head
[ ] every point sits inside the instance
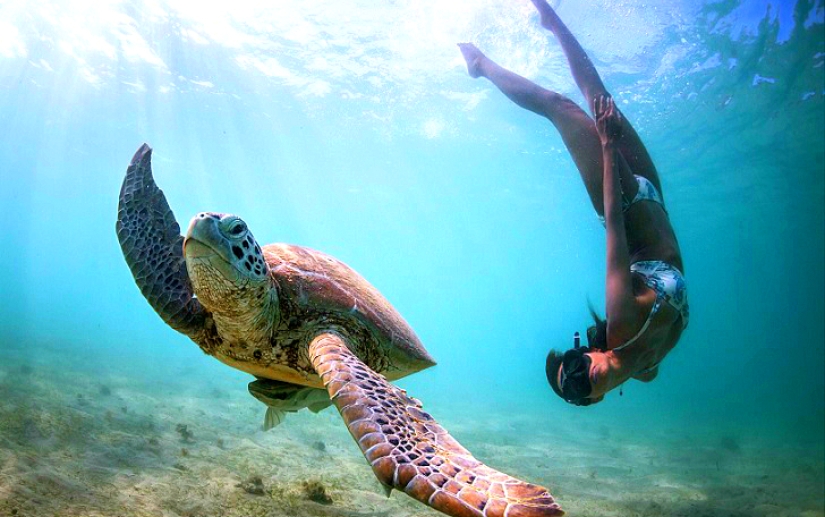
(223, 259)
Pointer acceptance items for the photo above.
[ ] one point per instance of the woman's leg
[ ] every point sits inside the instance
(578, 131)
(591, 86)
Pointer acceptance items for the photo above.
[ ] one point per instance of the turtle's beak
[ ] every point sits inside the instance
(205, 248)
(211, 271)
(203, 238)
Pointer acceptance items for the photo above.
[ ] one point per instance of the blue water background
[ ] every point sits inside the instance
(353, 128)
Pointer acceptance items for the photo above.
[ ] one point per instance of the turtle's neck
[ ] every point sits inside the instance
(244, 312)
(247, 317)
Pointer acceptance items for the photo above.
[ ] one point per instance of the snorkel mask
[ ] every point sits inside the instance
(572, 382)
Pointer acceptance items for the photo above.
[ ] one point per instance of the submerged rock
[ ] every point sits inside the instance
(315, 491)
(185, 434)
(729, 444)
(253, 485)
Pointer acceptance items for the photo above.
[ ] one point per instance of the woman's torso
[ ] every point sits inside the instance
(650, 237)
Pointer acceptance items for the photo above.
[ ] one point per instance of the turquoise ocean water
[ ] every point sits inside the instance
(353, 128)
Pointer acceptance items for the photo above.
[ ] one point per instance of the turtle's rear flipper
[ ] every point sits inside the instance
(410, 451)
(283, 397)
(273, 418)
(153, 247)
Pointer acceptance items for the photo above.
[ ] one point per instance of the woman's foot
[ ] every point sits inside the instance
(547, 14)
(473, 56)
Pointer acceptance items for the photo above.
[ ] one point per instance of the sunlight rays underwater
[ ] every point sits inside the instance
(250, 99)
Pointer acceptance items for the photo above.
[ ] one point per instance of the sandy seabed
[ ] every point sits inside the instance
(77, 444)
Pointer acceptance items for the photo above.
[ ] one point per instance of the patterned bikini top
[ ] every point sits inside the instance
(647, 192)
(670, 287)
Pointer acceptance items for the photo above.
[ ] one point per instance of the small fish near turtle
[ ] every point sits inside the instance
(314, 333)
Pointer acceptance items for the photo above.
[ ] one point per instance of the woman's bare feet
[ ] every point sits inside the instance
(473, 56)
(547, 14)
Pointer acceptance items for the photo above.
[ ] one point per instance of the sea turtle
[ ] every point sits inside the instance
(299, 319)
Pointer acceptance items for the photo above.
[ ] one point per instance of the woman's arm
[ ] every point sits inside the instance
(621, 303)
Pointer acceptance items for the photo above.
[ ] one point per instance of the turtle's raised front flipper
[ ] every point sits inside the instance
(153, 247)
(410, 451)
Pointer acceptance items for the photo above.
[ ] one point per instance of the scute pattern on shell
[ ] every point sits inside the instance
(410, 451)
(318, 293)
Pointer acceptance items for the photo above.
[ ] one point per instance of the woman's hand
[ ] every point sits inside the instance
(608, 119)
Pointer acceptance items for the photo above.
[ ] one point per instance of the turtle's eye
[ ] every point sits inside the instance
(237, 228)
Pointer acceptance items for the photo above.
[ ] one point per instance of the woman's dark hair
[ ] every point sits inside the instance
(597, 333)
(551, 369)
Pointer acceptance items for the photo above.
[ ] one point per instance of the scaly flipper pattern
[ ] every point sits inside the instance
(153, 247)
(410, 451)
